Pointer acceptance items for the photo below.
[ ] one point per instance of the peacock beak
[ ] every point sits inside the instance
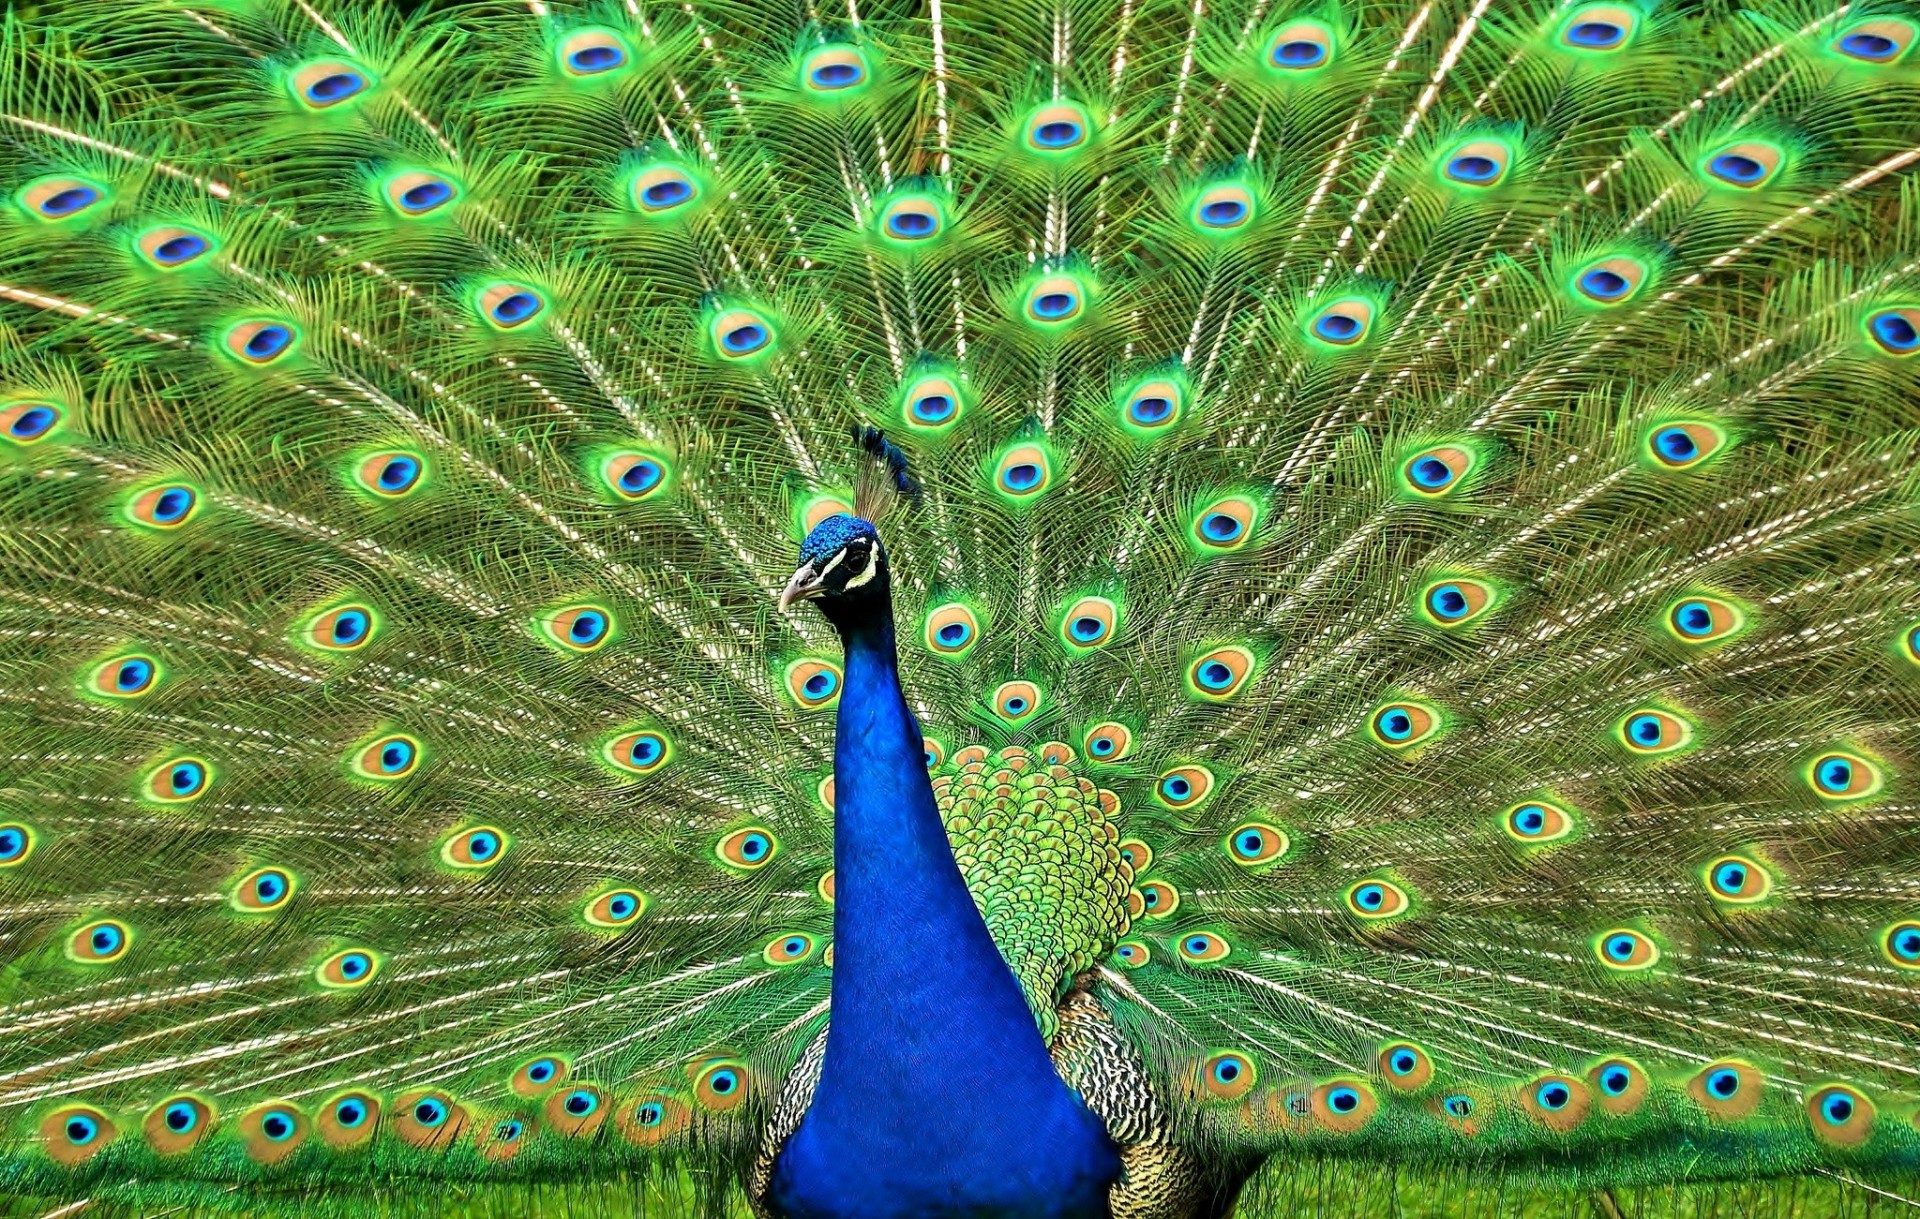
(806, 584)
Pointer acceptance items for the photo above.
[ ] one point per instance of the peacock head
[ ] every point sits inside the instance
(843, 566)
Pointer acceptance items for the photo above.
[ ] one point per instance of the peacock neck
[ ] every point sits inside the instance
(937, 1095)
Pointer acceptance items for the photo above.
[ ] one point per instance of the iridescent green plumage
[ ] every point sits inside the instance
(1481, 444)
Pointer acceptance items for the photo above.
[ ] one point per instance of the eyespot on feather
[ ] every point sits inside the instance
(259, 342)
(1625, 950)
(100, 942)
(417, 193)
(178, 781)
(1683, 445)
(427, 1119)
(1743, 165)
(577, 1111)
(1059, 128)
(1152, 405)
(1016, 701)
(1727, 1090)
(1227, 1075)
(1089, 623)
(1651, 732)
(577, 628)
(324, 84)
(793, 948)
(1841, 1116)
(1599, 28)
(73, 1134)
(1054, 300)
(824, 889)
(652, 1120)
(1344, 323)
(813, 684)
(834, 70)
(1900, 944)
(1132, 954)
(1404, 724)
(720, 1084)
(1184, 786)
(387, 758)
(951, 629)
(1225, 524)
(1220, 674)
(1455, 601)
(1619, 1086)
(1737, 880)
(264, 890)
(62, 197)
(747, 849)
(509, 306)
(1253, 843)
(480, 847)
(661, 190)
(1558, 1102)
(1108, 742)
(31, 421)
(1432, 473)
(1136, 855)
(1223, 208)
(935, 751)
(589, 54)
(272, 1131)
(1464, 1109)
(1202, 947)
(1876, 41)
(1344, 1106)
(1895, 331)
(171, 246)
(1158, 899)
(932, 403)
(1536, 823)
(348, 969)
(1609, 281)
(343, 628)
(632, 477)
(1405, 1067)
(1478, 164)
(17, 841)
(131, 675)
(1377, 899)
(1703, 619)
(740, 333)
(348, 1120)
(390, 474)
(1299, 48)
(1839, 774)
(501, 1139)
(168, 506)
(911, 219)
(615, 909)
(177, 1124)
(638, 752)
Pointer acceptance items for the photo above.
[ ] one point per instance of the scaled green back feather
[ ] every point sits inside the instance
(1449, 470)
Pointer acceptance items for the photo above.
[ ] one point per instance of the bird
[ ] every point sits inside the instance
(955, 607)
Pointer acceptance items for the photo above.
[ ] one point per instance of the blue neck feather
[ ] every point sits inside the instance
(937, 1096)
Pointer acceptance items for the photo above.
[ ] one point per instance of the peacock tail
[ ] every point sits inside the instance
(1411, 603)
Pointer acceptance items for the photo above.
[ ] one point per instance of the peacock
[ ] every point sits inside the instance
(1044, 608)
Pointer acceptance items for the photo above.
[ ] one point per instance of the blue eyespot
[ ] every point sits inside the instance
(954, 634)
(1596, 35)
(724, 1082)
(1733, 167)
(396, 756)
(1023, 477)
(269, 887)
(176, 250)
(1724, 1083)
(1675, 444)
(1060, 133)
(647, 749)
(1553, 1095)
(1530, 820)
(181, 1117)
(667, 192)
(1176, 787)
(107, 940)
(1223, 213)
(1220, 527)
(269, 341)
(1431, 473)
(516, 307)
(837, 75)
(430, 1112)
(1150, 897)
(67, 202)
(82, 1130)
(911, 224)
(1403, 1062)
(622, 906)
(580, 1103)
(1016, 705)
(13, 843)
(1730, 878)
(337, 87)
(1475, 169)
(540, 1072)
(1215, 676)
(1337, 327)
(1615, 1080)
(743, 339)
(278, 1126)
(641, 477)
(134, 675)
(934, 408)
(1299, 53)
(1837, 1108)
(33, 423)
(1694, 618)
(1906, 943)
(821, 684)
(509, 1131)
(600, 57)
(1836, 774)
(1050, 305)
(483, 845)
(1645, 729)
(1149, 410)
(1249, 843)
(186, 778)
(350, 1113)
(350, 627)
(1343, 1100)
(1370, 897)
(1448, 601)
(1868, 46)
(588, 627)
(426, 196)
(174, 503)
(1197, 945)
(650, 1114)
(1395, 725)
(355, 965)
(1895, 332)
(1227, 1070)
(1603, 284)
(754, 846)
(1088, 629)
(1621, 947)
